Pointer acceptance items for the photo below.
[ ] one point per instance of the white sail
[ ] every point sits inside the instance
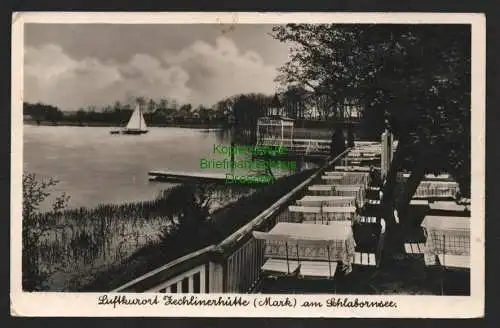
(137, 121)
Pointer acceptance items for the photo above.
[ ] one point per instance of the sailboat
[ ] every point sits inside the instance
(136, 124)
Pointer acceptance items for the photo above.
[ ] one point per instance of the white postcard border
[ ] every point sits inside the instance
(85, 304)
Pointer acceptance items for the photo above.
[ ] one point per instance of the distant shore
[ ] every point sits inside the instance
(100, 124)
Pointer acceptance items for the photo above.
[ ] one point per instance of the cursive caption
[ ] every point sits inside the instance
(239, 301)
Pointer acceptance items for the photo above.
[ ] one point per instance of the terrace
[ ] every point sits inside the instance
(327, 236)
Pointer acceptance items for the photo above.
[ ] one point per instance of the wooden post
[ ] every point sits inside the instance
(282, 135)
(391, 148)
(215, 275)
(385, 163)
(203, 280)
(232, 149)
(386, 153)
(287, 260)
(329, 262)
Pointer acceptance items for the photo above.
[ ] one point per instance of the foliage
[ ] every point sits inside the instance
(41, 112)
(418, 76)
(321, 58)
(35, 191)
(248, 108)
(296, 100)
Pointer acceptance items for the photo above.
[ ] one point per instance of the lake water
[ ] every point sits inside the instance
(95, 167)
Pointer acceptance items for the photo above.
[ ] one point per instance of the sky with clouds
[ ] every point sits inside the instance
(74, 66)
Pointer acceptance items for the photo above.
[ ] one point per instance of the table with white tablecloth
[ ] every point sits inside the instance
(299, 242)
(447, 235)
(450, 206)
(347, 178)
(327, 201)
(350, 190)
(430, 189)
(323, 215)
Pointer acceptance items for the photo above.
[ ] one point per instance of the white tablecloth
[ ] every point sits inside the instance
(339, 234)
(446, 235)
(437, 189)
(327, 201)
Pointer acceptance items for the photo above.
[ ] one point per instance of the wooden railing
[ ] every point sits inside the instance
(173, 276)
(317, 145)
(232, 266)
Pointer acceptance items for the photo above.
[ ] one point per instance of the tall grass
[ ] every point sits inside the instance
(77, 243)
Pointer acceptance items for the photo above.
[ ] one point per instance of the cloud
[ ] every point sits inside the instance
(201, 73)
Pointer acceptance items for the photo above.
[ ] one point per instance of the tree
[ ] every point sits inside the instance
(416, 75)
(117, 106)
(295, 99)
(141, 101)
(186, 108)
(151, 105)
(225, 106)
(433, 122)
(319, 59)
(80, 116)
(162, 105)
(324, 105)
(174, 104)
(275, 105)
(41, 112)
(247, 109)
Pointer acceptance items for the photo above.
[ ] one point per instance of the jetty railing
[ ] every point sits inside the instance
(233, 265)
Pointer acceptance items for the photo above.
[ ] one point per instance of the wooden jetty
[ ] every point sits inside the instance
(179, 176)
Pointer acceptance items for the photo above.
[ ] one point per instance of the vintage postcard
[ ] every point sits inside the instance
(248, 164)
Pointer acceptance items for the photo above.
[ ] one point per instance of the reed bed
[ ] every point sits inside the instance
(78, 243)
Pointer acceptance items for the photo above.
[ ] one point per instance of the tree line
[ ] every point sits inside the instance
(156, 113)
(293, 101)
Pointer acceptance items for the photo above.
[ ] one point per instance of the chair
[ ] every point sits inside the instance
(273, 266)
(451, 262)
(415, 248)
(368, 219)
(372, 259)
(302, 269)
(318, 270)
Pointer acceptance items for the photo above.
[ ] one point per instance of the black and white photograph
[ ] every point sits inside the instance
(310, 165)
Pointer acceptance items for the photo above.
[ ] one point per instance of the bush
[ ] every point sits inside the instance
(34, 226)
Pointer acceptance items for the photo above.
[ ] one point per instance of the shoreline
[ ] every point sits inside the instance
(98, 124)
